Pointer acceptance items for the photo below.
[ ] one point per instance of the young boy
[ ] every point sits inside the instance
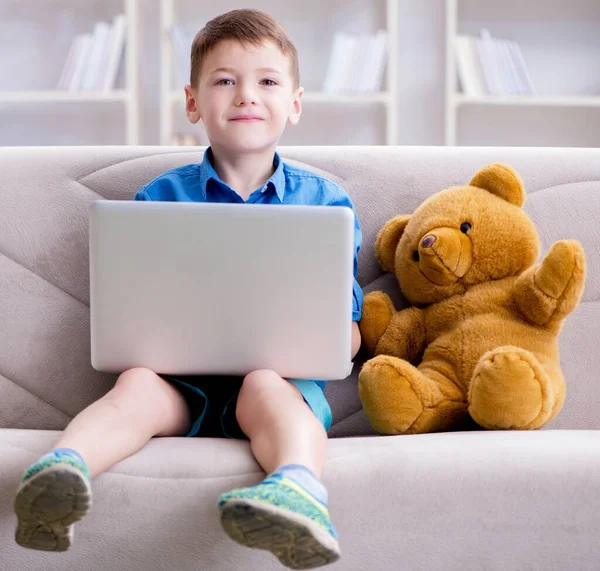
(244, 87)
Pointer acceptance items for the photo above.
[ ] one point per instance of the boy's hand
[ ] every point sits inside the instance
(356, 340)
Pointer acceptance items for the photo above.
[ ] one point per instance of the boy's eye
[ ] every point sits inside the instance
(224, 82)
(268, 82)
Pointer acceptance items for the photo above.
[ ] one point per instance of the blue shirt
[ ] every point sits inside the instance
(287, 185)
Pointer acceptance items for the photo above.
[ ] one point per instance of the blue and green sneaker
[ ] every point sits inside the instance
(282, 517)
(54, 493)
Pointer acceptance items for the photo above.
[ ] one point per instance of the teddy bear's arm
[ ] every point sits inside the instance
(547, 292)
(386, 331)
(405, 336)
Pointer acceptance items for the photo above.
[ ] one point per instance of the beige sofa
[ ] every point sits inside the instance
(469, 500)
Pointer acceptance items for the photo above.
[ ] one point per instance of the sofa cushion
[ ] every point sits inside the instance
(479, 500)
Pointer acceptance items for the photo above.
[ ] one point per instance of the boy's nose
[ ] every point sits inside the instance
(244, 96)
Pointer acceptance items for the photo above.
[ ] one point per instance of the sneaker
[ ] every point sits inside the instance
(54, 493)
(280, 516)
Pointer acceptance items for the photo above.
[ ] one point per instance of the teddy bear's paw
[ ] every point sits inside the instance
(399, 399)
(376, 316)
(511, 390)
(389, 400)
(561, 270)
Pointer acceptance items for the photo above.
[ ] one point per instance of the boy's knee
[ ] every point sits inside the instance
(261, 379)
(143, 384)
(136, 378)
(262, 385)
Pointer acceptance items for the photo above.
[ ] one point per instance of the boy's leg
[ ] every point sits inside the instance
(55, 491)
(287, 513)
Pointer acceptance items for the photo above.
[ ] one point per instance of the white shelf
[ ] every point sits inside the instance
(178, 97)
(129, 96)
(528, 100)
(58, 96)
(552, 51)
(388, 98)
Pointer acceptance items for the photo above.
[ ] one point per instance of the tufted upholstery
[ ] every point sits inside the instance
(477, 500)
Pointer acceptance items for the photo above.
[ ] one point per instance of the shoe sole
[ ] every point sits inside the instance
(296, 540)
(48, 504)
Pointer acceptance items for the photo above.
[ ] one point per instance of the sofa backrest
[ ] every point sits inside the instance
(45, 372)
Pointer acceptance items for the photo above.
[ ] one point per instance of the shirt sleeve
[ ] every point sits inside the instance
(342, 199)
(142, 194)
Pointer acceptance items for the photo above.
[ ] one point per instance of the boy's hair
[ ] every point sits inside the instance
(245, 26)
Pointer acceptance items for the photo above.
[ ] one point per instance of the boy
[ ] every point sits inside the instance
(244, 86)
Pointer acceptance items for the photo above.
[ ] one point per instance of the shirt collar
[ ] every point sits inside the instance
(276, 181)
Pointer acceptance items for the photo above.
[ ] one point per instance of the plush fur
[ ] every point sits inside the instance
(480, 338)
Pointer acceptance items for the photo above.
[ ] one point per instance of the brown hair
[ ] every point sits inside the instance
(246, 26)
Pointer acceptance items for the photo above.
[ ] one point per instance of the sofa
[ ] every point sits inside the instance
(466, 500)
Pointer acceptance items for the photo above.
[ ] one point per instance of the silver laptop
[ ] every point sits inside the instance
(195, 288)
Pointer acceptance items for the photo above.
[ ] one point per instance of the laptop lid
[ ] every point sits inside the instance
(204, 288)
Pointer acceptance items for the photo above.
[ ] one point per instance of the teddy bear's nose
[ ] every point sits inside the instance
(428, 241)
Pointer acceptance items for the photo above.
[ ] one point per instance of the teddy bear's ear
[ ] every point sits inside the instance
(387, 241)
(502, 181)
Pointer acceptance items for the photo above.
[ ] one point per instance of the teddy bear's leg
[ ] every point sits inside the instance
(398, 398)
(512, 389)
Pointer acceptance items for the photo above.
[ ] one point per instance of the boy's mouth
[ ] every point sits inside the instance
(246, 118)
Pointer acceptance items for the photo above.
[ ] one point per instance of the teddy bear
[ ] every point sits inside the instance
(480, 336)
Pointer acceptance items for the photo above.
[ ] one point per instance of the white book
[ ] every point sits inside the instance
(333, 71)
(522, 68)
(507, 73)
(518, 88)
(380, 59)
(99, 40)
(367, 72)
(81, 63)
(182, 45)
(113, 55)
(361, 63)
(468, 66)
(489, 64)
(349, 43)
(341, 62)
(70, 62)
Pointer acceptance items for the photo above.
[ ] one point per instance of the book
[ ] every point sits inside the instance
(468, 66)
(81, 63)
(100, 37)
(182, 49)
(70, 62)
(356, 63)
(377, 62)
(114, 53)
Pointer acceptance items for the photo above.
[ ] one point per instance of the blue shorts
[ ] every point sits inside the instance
(212, 403)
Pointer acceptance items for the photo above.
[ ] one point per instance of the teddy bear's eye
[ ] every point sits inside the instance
(415, 255)
(465, 227)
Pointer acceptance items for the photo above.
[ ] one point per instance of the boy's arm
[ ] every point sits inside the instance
(342, 199)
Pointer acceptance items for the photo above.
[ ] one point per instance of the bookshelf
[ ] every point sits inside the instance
(15, 100)
(561, 45)
(311, 28)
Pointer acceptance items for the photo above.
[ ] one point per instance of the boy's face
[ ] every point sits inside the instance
(245, 96)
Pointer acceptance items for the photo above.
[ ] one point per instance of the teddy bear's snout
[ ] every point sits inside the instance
(445, 255)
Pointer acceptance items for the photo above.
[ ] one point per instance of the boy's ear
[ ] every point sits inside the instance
(191, 108)
(296, 107)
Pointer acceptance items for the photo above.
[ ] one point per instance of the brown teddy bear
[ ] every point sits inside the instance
(481, 336)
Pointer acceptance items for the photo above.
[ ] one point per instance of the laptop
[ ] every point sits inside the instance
(221, 289)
